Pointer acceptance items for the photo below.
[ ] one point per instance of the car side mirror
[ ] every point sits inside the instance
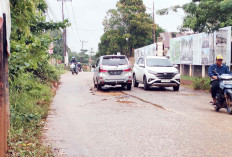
(176, 66)
(142, 65)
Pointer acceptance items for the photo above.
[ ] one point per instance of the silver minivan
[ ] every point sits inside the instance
(112, 70)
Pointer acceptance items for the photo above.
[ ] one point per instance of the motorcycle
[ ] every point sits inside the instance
(73, 69)
(79, 69)
(224, 94)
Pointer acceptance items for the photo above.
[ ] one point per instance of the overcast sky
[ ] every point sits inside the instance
(86, 17)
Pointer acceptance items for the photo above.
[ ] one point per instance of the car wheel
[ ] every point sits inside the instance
(135, 83)
(176, 88)
(146, 86)
(99, 87)
(128, 86)
(95, 85)
(217, 109)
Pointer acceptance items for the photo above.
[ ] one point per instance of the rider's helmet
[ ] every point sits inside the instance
(73, 58)
(79, 62)
(219, 57)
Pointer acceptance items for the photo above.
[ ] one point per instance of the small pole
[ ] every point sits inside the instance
(82, 41)
(64, 31)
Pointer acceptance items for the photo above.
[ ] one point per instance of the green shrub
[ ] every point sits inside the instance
(29, 98)
(201, 83)
(198, 82)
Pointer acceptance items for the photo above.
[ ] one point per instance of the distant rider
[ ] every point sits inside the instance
(220, 69)
(73, 61)
(79, 66)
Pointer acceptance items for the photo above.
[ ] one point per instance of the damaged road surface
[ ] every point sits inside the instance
(84, 122)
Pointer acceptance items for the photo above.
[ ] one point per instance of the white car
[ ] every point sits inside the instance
(155, 71)
(113, 70)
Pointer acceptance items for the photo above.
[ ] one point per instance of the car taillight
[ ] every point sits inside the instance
(127, 70)
(103, 71)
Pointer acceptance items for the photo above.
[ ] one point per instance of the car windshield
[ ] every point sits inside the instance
(158, 62)
(114, 61)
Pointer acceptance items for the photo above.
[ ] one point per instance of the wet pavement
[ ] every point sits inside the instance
(115, 122)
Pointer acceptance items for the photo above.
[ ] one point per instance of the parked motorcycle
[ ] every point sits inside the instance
(73, 68)
(224, 94)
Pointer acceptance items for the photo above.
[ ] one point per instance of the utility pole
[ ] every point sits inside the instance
(154, 21)
(91, 52)
(64, 31)
(82, 41)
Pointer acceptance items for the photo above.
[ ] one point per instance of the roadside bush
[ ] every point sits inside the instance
(29, 99)
(30, 75)
(201, 84)
(198, 82)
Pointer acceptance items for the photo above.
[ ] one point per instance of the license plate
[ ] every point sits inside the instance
(165, 81)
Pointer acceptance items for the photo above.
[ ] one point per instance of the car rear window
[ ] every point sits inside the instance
(157, 62)
(114, 60)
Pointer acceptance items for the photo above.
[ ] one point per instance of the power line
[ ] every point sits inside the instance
(75, 21)
(64, 30)
(71, 25)
(91, 30)
(51, 11)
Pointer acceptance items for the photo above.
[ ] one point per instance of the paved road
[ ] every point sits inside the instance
(116, 122)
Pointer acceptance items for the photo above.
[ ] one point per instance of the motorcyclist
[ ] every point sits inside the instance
(73, 61)
(79, 66)
(220, 69)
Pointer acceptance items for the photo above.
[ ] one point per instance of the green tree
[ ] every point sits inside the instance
(30, 37)
(205, 15)
(126, 27)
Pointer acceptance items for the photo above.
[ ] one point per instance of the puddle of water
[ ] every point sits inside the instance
(110, 93)
(125, 102)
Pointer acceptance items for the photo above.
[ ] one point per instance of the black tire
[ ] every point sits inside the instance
(95, 85)
(216, 108)
(128, 86)
(146, 86)
(176, 88)
(99, 87)
(135, 83)
(217, 103)
(72, 72)
(229, 107)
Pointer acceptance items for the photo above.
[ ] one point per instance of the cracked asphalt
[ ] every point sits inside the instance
(116, 123)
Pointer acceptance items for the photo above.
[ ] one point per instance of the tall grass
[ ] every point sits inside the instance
(30, 98)
(198, 82)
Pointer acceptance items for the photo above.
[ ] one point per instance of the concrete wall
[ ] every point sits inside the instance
(197, 70)
(194, 70)
(186, 69)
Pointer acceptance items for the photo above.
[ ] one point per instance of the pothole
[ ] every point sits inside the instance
(158, 106)
(125, 102)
